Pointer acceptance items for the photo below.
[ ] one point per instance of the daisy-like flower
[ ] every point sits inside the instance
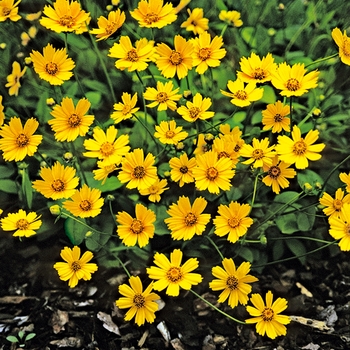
(177, 61)
(164, 96)
(182, 168)
(58, 181)
(106, 146)
(225, 148)
(259, 153)
(132, 58)
(207, 53)
(267, 315)
(293, 80)
(195, 21)
(101, 174)
(17, 141)
(243, 96)
(233, 281)
(125, 110)
(154, 14)
(24, 225)
(277, 175)
(65, 16)
(343, 42)
(231, 17)
(2, 114)
(9, 10)
(187, 220)
(153, 192)
(171, 275)
(141, 302)
(346, 179)
(232, 220)
(85, 203)
(70, 122)
(108, 26)
(53, 66)
(275, 117)
(138, 171)
(232, 136)
(13, 80)
(168, 133)
(198, 109)
(340, 228)
(137, 230)
(299, 150)
(75, 267)
(335, 205)
(213, 174)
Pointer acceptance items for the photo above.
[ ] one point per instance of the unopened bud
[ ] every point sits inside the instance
(110, 198)
(307, 187)
(50, 101)
(55, 210)
(180, 146)
(316, 112)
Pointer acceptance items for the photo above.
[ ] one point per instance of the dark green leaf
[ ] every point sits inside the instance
(75, 231)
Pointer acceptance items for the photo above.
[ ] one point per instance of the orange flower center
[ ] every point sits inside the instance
(347, 229)
(74, 120)
(51, 68)
(268, 314)
(75, 266)
(151, 18)
(67, 21)
(190, 219)
(6, 11)
(22, 224)
(175, 58)
(274, 172)
(85, 205)
(153, 189)
(337, 204)
(184, 170)
(136, 226)
(278, 118)
(174, 274)
(22, 140)
(162, 97)
(110, 28)
(258, 154)
(259, 74)
(139, 172)
(194, 112)
(232, 282)
(132, 56)
(292, 84)
(126, 109)
(299, 147)
(237, 147)
(204, 53)
(212, 173)
(107, 149)
(58, 185)
(223, 154)
(240, 95)
(346, 47)
(139, 301)
(169, 134)
(233, 222)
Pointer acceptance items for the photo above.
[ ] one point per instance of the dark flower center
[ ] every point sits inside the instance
(151, 18)
(67, 21)
(258, 153)
(268, 314)
(259, 74)
(299, 147)
(22, 140)
(51, 68)
(212, 173)
(85, 205)
(22, 224)
(190, 219)
(240, 95)
(136, 226)
(293, 84)
(232, 282)
(274, 172)
(174, 274)
(58, 185)
(139, 172)
(175, 58)
(278, 118)
(184, 170)
(204, 53)
(75, 266)
(162, 97)
(74, 120)
(132, 55)
(139, 301)
(194, 112)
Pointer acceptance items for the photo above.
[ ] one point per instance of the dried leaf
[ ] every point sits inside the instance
(163, 329)
(320, 325)
(71, 342)
(303, 290)
(107, 322)
(58, 320)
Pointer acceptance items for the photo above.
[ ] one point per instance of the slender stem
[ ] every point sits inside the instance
(139, 120)
(78, 162)
(224, 30)
(216, 247)
(322, 59)
(254, 191)
(124, 267)
(291, 111)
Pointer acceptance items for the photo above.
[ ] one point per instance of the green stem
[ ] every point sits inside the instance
(124, 268)
(254, 191)
(78, 163)
(291, 111)
(153, 138)
(224, 30)
(216, 247)
(322, 59)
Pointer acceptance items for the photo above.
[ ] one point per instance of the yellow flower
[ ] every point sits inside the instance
(13, 80)
(198, 109)
(2, 114)
(177, 61)
(22, 223)
(153, 192)
(340, 228)
(33, 16)
(70, 122)
(182, 168)
(137, 171)
(65, 16)
(18, 141)
(103, 171)
(243, 96)
(168, 133)
(125, 110)
(266, 316)
(58, 181)
(207, 53)
(299, 150)
(196, 22)
(233, 138)
(187, 220)
(137, 230)
(334, 206)
(343, 42)
(106, 146)
(106, 27)
(346, 179)
(154, 14)
(232, 220)
(231, 17)
(141, 302)
(233, 282)
(256, 69)
(201, 145)
(9, 10)
(53, 66)
(75, 267)
(225, 148)
(164, 96)
(260, 154)
(274, 116)
(171, 275)
(292, 79)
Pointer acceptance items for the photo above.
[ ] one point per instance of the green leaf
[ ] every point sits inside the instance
(75, 231)
(248, 35)
(94, 97)
(92, 241)
(12, 339)
(269, 95)
(29, 336)
(303, 222)
(27, 188)
(6, 171)
(297, 248)
(8, 186)
(287, 223)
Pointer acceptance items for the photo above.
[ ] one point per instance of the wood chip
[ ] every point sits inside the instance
(108, 323)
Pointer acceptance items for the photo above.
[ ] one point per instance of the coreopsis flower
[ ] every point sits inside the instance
(141, 302)
(275, 117)
(108, 26)
(33, 16)
(267, 315)
(53, 65)
(182, 168)
(132, 58)
(2, 114)
(346, 179)
(340, 228)
(168, 133)
(17, 141)
(171, 275)
(153, 192)
(256, 69)
(58, 181)
(293, 80)
(232, 136)
(187, 220)
(207, 53)
(225, 148)
(154, 14)
(343, 42)
(198, 109)
(259, 153)
(69, 121)
(24, 225)
(164, 96)
(138, 171)
(231, 17)
(75, 267)
(299, 150)
(103, 171)
(195, 21)
(334, 206)
(13, 79)
(233, 281)
(136, 230)
(107, 146)
(125, 110)
(175, 61)
(9, 10)
(201, 145)
(243, 96)
(65, 16)
(232, 220)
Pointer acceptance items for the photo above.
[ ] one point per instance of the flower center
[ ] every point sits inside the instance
(259, 74)
(153, 189)
(67, 21)
(139, 172)
(74, 120)
(232, 282)
(51, 68)
(136, 226)
(299, 147)
(346, 47)
(110, 28)
(240, 95)
(268, 314)
(126, 109)
(174, 274)
(184, 170)
(85, 205)
(139, 301)
(169, 134)
(337, 204)
(107, 149)
(190, 219)
(22, 140)
(258, 153)
(223, 154)
(293, 84)
(204, 53)
(237, 147)
(22, 224)
(132, 56)
(278, 118)
(175, 58)
(212, 173)
(58, 185)
(151, 18)
(162, 97)
(274, 172)
(347, 229)
(75, 266)
(6, 11)
(233, 222)
(194, 112)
